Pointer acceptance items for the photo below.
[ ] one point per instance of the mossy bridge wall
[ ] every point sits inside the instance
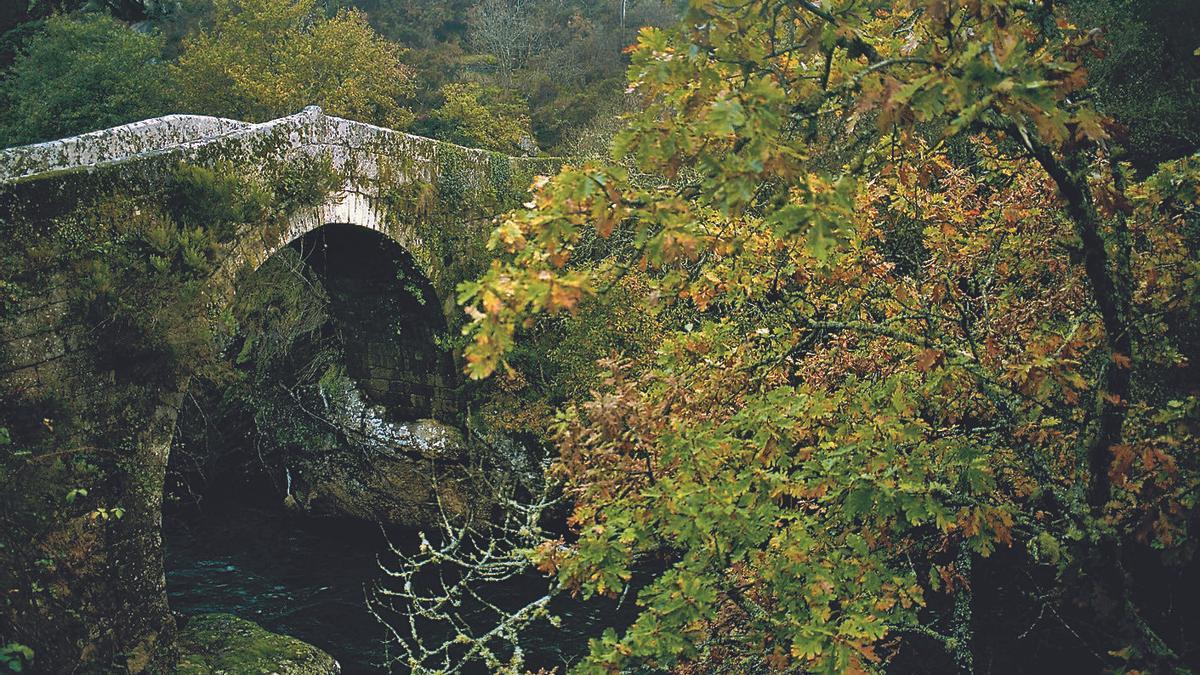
(82, 586)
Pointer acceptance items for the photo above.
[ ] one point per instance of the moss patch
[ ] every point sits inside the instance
(223, 643)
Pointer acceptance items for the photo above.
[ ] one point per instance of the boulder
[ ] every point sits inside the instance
(218, 644)
(406, 473)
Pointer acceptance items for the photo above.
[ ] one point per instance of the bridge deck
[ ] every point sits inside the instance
(185, 134)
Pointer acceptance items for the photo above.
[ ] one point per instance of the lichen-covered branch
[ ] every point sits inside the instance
(449, 604)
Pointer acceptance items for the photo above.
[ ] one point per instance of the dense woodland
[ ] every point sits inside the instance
(861, 335)
(518, 77)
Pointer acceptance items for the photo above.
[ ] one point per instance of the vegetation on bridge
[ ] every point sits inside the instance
(126, 279)
(116, 294)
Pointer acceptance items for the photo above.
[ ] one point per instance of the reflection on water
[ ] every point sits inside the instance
(304, 578)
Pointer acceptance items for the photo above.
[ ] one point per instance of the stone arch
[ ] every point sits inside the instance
(347, 210)
(350, 205)
(434, 382)
(119, 609)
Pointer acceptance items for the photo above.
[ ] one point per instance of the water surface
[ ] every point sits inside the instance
(306, 578)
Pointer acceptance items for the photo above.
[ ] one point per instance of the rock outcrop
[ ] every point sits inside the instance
(219, 644)
(394, 473)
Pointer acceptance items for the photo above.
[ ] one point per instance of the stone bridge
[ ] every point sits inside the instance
(88, 404)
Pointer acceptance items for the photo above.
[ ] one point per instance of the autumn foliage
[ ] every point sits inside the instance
(930, 318)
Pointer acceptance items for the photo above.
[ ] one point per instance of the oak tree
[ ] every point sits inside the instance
(934, 318)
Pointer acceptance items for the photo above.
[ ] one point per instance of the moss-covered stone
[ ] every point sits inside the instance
(212, 644)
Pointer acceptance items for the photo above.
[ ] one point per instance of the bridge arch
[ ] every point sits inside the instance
(350, 205)
(418, 380)
(114, 609)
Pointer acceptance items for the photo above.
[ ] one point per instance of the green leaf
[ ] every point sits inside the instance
(821, 239)
(725, 116)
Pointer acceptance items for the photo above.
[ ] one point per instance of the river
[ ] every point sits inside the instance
(306, 578)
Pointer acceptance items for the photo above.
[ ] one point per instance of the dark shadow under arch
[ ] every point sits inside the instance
(390, 320)
(379, 323)
(232, 525)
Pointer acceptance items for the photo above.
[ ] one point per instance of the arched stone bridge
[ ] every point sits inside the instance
(84, 586)
(462, 186)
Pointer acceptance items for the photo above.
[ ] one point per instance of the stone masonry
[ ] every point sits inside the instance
(110, 610)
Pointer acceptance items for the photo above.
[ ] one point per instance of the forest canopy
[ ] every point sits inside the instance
(264, 60)
(80, 74)
(514, 76)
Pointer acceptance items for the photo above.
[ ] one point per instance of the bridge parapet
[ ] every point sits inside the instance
(356, 146)
(113, 145)
(433, 197)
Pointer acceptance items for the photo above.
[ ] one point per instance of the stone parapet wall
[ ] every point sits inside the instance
(113, 145)
(355, 147)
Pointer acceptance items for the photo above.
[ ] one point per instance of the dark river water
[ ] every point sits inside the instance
(304, 578)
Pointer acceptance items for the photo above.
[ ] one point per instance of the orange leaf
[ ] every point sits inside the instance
(929, 358)
(1122, 461)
